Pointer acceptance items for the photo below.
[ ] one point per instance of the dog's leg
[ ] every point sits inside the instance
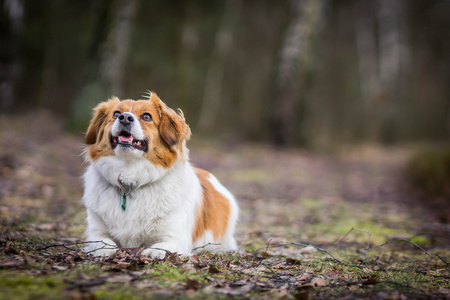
(97, 242)
(176, 238)
(159, 250)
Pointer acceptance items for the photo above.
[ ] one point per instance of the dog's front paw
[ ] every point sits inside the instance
(159, 250)
(104, 252)
(100, 249)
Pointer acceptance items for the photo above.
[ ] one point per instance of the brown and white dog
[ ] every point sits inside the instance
(141, 190)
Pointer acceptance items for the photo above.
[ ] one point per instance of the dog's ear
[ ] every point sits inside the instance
(172, 126)
(101, 112)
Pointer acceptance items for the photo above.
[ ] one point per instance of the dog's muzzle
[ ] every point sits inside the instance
(125, 137)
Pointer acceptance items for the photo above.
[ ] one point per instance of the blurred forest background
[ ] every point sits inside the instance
(311, 73)
(329, 120)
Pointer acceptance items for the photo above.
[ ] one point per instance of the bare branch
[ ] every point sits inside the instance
(368, 242)
(206, 245)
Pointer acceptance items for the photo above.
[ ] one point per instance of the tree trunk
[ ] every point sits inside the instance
(11, 14)
(366, 43)
(295, 69)
(379, 63)
(389, 65)
(115, 49)
(109, 54)
(190, 39)
(213, 93)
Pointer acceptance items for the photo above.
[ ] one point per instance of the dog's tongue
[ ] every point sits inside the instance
(126, 139)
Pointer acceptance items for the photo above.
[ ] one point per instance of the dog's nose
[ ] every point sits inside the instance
(126, 118)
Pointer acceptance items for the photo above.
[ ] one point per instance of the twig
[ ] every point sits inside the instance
(204, 246)
(66, 246)
(405, 240)
(63, 245)
(276, 275)
(375, 282)
(161, 249)
(418, 247)
(86, 284)
(4, 223)
(105, 246)
(317, 248)
(268, 244)
(324, 251)
(368, 242)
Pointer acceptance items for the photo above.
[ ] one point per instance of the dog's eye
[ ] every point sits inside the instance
(146, 117)
(116, 114)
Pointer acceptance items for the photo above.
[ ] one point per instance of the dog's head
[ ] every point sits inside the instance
(142, 128)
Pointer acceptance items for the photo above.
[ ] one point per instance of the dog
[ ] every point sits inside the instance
(140, 189)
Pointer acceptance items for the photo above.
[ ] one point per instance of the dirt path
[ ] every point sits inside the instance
(317, 195)
(289, 199)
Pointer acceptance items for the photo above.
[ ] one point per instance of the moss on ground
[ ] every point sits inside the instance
(22, 286)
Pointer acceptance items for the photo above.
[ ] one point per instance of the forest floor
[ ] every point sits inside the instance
(346, 225)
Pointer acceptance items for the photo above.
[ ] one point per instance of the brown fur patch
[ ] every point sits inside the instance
(214, 212)
(167, 133)
(100, 126)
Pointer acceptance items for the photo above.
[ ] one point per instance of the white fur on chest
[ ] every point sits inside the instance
(161, 202)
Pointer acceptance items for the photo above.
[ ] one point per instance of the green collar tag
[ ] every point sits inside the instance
(124, 201)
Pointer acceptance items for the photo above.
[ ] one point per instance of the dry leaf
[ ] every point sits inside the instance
(333, 274)
(318, 281)
(60, 268)
(265, 254)
(193, 284)
(120, 278)
(12, 262)
(306, 277)
(306, 250)
(194, 259)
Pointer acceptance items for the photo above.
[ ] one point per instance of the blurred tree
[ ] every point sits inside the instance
(109, 52)
(190, 41)
(294, 69)
(290, 72)
(11, 28)
(223, 42)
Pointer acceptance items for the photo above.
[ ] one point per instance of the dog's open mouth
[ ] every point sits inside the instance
(125, 139)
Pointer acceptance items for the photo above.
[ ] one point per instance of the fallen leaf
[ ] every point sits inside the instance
(11, 262)
(194, 259)
(120, 278)
(265, 254)
(305, 277)
(292, 261)
(85, 284)
(193, 284)
(318, 281)
(308, 249)
(144, 284)
(28, 259)
(213, 269)
(333, 274)
(173, 258)
(60, 268)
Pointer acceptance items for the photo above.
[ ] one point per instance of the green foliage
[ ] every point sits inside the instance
(22, 286)
(82, 110)
(429, 169)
